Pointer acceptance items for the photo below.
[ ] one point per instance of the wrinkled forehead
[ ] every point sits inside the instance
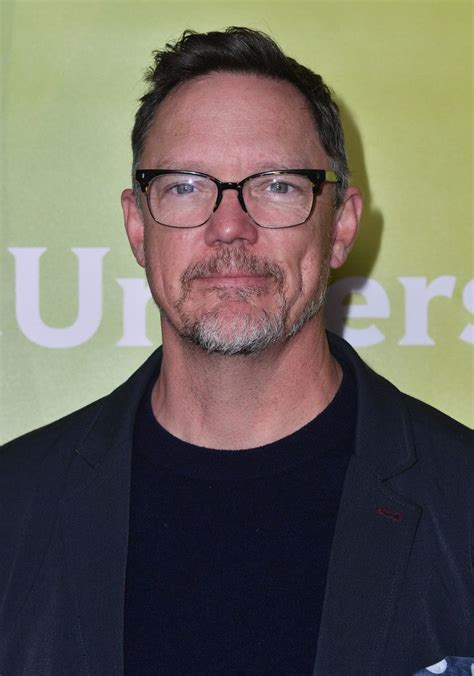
(235, 113)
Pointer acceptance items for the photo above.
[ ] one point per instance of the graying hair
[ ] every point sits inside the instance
(239, 50)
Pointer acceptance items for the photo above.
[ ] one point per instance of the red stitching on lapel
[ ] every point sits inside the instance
(389, 514)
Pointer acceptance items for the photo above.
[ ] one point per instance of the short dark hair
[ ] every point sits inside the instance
(239, 50)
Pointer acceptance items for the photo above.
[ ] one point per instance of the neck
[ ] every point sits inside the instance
(244, 401)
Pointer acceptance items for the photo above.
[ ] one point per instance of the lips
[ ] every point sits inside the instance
(239, 282)
(238, 274)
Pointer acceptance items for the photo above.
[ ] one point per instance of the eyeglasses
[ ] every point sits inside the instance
(272, 199)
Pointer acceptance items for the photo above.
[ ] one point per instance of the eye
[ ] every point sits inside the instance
(280, 187)
(182, 188)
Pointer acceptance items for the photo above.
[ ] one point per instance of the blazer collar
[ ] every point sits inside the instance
(114, 421)
(381, 415)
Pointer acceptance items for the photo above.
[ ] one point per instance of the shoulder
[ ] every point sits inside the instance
(32, 449)
(404, 427)
(436, 434)
(61, 437)
(39, 461)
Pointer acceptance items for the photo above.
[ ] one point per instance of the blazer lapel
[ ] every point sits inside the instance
(95, 531)
(95, 522)
(369, 556)
(374, 531)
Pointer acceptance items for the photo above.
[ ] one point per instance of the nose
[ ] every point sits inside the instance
(230, 223)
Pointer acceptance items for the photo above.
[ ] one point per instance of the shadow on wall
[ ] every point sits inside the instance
(366, 248)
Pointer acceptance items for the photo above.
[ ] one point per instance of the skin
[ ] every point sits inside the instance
(230, 126)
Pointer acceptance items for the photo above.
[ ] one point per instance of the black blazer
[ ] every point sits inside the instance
(400, 587)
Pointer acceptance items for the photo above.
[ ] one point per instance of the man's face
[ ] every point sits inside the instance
(230, 285)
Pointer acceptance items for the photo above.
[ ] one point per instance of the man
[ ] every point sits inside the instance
(254, 499)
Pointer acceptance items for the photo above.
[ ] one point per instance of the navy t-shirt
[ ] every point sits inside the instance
(229, 550)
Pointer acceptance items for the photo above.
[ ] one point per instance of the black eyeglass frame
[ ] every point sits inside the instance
(317, 177)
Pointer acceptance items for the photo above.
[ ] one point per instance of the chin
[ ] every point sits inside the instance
(239, 333)
(245, 332)
(237, 325)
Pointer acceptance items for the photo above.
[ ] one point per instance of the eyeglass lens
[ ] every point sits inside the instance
(184, 200)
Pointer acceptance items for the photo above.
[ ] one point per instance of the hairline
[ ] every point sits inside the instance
(236, 71)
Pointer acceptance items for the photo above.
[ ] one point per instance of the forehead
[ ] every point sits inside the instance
(240, 119)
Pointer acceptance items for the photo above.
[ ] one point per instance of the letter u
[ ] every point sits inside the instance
(27, 297)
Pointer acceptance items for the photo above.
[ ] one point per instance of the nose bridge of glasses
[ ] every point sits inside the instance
(230, 185)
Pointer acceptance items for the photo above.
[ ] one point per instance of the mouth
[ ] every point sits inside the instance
(234, 279)
(231, 276)
(234, 285)
(234, 275)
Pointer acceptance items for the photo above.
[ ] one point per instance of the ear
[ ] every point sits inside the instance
(133, 219)
(345, 226)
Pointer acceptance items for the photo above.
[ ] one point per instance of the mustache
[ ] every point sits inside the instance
(232, 261)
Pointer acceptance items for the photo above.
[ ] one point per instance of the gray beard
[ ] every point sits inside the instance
(244, 333)
(241, 334)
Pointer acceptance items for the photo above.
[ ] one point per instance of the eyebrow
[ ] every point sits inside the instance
(259, 167)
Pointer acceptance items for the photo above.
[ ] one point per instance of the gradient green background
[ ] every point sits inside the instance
(402, 72)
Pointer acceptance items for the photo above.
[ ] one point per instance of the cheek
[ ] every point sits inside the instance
(163, 268)
(306, 268)
(311, 266)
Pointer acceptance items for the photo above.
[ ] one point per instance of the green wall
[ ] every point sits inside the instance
(402, 72)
